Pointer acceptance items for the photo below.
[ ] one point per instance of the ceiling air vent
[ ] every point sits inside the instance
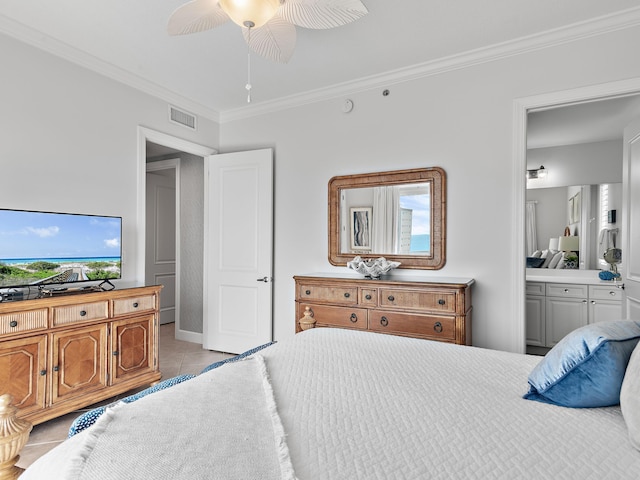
(181, 117)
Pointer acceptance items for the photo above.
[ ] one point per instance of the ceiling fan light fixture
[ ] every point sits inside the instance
(250, 13)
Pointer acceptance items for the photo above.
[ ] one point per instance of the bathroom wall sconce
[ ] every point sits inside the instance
(537, 172)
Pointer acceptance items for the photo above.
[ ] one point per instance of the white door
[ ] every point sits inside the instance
(160, 251)
(238, 250)
(631, 221)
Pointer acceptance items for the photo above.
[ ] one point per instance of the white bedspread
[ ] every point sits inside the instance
(359, 405)
(222, 424)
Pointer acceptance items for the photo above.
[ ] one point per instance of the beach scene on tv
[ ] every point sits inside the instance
(38, 248)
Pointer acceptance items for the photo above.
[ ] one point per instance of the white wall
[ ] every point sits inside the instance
(68, 140)
(581, 164)
(461, 120)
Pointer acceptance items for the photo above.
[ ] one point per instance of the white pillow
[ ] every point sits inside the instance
(555, 260)
(536, 254)
(547, 260)
(630, 398)
(544, 254)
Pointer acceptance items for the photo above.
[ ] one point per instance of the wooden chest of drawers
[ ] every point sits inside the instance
(409, 306)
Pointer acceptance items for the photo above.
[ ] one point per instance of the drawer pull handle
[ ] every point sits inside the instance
(391, 298)
(83, 313)
(347, 295)
(13, 324)
(353, 318)
(43, 373)
(437, 327)
(566, 290)
(593, 302)
(384, 321)
(368, 297)
(613, 294)
(116, 353)
(307, 292)
(441, 301)
(135, 304)
(56, 368)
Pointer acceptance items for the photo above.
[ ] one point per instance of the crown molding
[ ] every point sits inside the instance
(589, 28)
(63, 50)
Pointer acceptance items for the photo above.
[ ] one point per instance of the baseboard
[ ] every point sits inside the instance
(187, 336)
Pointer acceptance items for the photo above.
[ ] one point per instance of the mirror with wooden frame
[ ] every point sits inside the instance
(399, 215)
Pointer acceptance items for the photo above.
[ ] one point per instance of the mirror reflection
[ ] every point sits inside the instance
(387, 219)
(399, 215)
(588, 213)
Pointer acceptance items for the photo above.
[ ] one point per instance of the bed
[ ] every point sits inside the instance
(341, 404)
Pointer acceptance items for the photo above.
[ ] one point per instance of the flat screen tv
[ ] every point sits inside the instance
(39, 249)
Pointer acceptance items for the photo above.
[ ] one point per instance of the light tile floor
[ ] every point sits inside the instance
(176, 357)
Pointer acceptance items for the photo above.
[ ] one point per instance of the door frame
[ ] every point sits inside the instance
(162, 165)
(521, 108)
(146, 134)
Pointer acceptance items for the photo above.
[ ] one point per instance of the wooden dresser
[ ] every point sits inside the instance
(432, 308)
(60, 353)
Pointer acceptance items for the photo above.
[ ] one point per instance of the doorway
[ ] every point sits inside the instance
(188, 276)
(163, 233)
(522, 109)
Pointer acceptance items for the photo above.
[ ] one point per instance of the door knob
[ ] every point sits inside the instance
(264, 279)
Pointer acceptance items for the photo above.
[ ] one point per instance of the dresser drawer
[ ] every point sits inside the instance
(432, 326)
(19, 322)
(125, 306)
(568, 290)
(81, 312)
(368, 297)
(535, 288)
(338, 316)
(604, 292)
(427, 300)
(329, 294)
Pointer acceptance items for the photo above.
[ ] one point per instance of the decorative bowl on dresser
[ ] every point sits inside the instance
(64, 352)
(412, 306)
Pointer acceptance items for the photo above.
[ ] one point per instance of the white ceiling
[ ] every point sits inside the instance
(595, 121)
(128, 39)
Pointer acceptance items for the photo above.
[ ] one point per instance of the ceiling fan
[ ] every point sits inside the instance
(268, 26)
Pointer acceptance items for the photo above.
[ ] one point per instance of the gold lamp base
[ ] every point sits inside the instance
(14, 434)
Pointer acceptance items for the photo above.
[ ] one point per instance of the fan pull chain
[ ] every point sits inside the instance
(248, 85)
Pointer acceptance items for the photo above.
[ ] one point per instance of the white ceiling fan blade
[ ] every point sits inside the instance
(275, 40)
(322, 13)
(196, 16)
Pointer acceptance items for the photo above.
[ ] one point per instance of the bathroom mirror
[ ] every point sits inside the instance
(399, 215)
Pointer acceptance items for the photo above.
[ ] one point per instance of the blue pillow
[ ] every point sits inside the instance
(534, 262)
(586, 368)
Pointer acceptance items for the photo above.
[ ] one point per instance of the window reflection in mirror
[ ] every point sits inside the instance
(400, 219)
(404, 212)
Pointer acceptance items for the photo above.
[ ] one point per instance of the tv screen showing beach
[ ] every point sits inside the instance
(39, 248)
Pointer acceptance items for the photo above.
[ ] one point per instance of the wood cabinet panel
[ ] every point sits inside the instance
(59, 355)
(342, 295)
(82, 312)
(409, 306)
(78, 361)
(18, 322)
(23, 371)
(439, 301)
(415, 325)
(132, 348)
(125, 306)
(345, 317)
